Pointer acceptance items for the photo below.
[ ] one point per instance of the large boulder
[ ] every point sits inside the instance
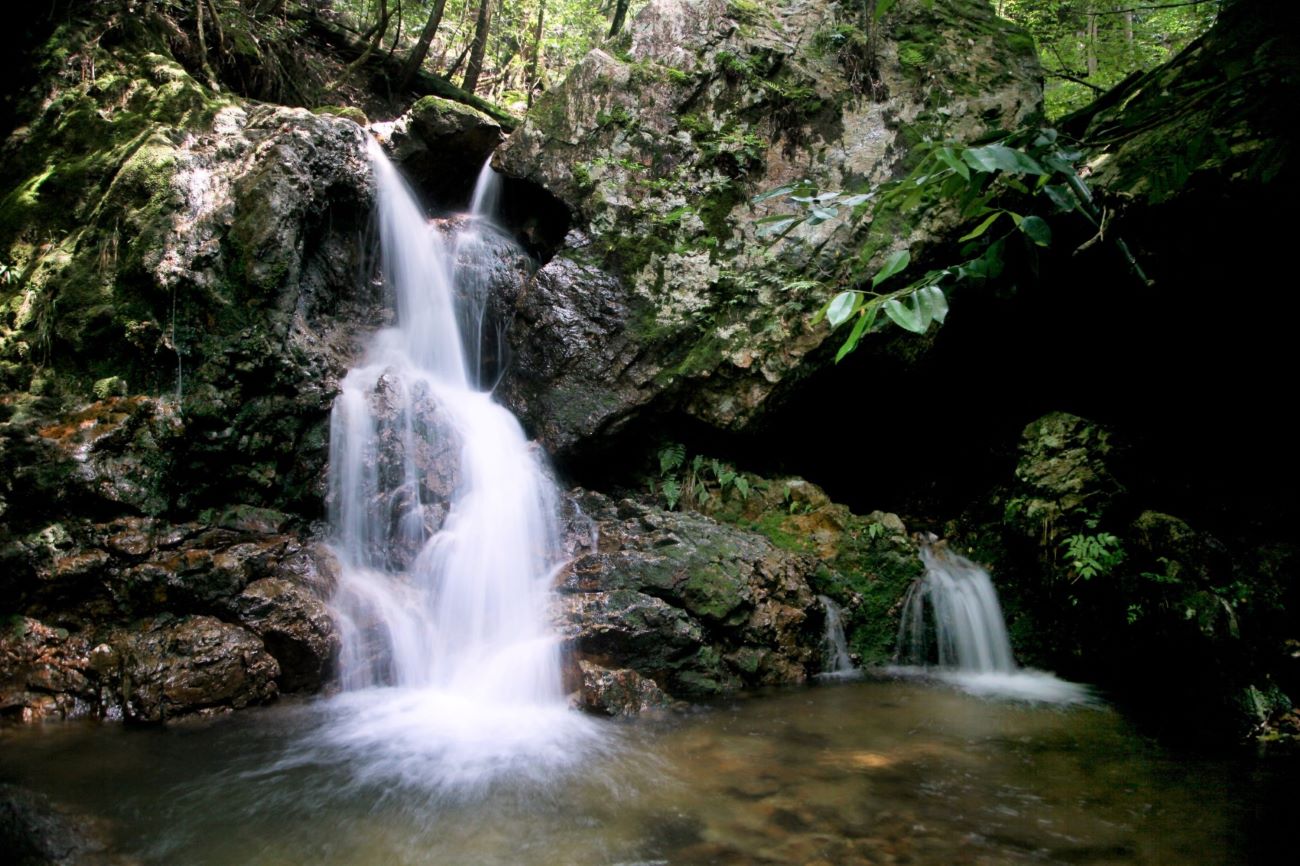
(444, 143)
(186, 258)
(657, 145)
(676, 598)
(185, 279)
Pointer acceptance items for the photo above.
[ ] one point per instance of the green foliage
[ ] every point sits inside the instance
(976, 182)
(1088, 46)
(695, 482)
(1093, 554)
(569, 29)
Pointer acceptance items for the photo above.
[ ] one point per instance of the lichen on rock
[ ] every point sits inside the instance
(657, 152)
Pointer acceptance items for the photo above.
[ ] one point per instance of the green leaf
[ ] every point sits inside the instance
(866, 319)
(671, 491)
(671, 457)
(1037, 230)
(910, 317)
(894, 262)
(949, 158)
(982, 227)
(825, 213)
(934, 302)
(772, 225)
(855, 200)
(1061, 196)
(773, 193)
(996, 157)
(743, 486)
(840, 308)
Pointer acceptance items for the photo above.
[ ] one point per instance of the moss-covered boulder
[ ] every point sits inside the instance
(444, 144)
(657, 144)
(866, 563)
(1064, 478)
(693, 605)
(163, 242)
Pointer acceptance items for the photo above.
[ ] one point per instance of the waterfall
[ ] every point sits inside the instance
(952, 628)
(444, 525)
(835, 649)
(967, 630)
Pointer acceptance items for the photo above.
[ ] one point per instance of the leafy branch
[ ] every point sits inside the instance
(978, 183)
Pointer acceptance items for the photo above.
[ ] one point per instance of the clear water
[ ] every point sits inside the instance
(853, 773)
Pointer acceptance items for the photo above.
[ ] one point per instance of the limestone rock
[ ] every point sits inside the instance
(658, 151)
(444, 143)
(621, 692)
(696, 606)
(170, 668)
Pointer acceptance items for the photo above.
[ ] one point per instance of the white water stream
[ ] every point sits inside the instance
(444, 525)
(837, 662)
(953, 629)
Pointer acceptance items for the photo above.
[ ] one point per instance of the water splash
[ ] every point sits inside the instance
(835, 649)
(444, 524)
(952, 629)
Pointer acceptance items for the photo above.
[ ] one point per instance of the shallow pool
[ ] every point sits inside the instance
(892, 771)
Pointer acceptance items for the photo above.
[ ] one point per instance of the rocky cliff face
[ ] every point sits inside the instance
(184, 276)
(666, 297)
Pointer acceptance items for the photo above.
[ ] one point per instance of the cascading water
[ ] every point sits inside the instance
(835, 649)
(952, 628)
(444, 525)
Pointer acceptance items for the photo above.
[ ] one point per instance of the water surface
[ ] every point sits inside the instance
(852, 773)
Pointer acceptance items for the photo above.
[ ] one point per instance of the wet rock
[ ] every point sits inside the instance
(658, 153)
(1063, 476)
(169, 668)
(696, 606)
(444, 144)
(414, 506)
(587, 339)
(620, 692)
(866, 562)
(35, 831)
(295, 626)
(45, 672)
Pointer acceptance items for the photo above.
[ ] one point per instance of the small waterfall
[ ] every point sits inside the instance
(966, 631)
(835, 649)
(445, 527)
(952, 628)
(487, 192)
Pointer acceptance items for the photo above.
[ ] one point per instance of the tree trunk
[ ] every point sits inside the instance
(421, 49)
(530, 78)
(381, 30)
(479, 47)
(1092, 44)
(397, 37)
(620, 12)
